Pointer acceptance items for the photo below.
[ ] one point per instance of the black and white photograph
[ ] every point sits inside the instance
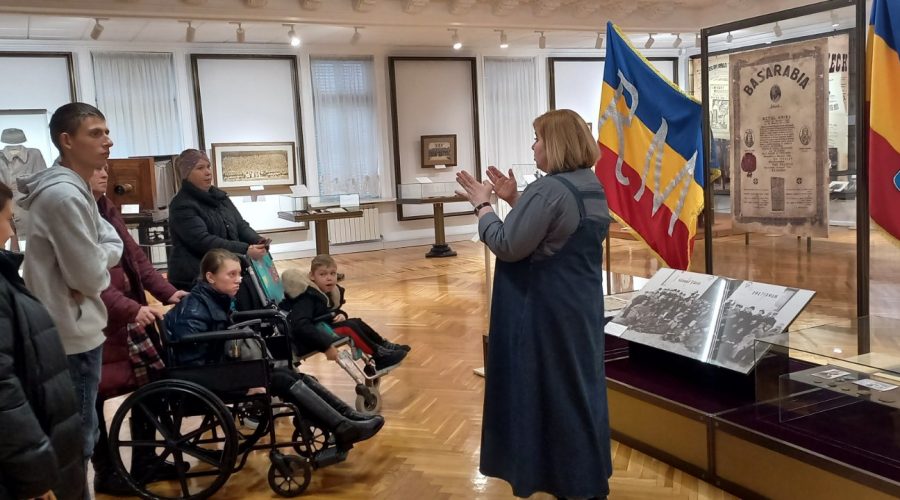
(438, 150)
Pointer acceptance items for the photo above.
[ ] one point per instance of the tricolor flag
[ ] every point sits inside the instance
(884, 115)
(651, 163)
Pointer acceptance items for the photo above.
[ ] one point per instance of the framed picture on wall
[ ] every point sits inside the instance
(248, 164)
(438, 150)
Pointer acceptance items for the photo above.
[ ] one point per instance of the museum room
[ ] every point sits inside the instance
(450, 249)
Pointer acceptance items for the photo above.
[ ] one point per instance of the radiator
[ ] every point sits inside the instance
(365, 228)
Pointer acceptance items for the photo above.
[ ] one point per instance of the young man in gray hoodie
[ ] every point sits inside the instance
(70, 248)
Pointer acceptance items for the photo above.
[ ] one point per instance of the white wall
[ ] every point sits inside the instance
(296, 243)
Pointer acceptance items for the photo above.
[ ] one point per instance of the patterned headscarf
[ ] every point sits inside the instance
(187, 160)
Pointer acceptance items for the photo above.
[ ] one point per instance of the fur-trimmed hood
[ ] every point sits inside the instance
(296, 283)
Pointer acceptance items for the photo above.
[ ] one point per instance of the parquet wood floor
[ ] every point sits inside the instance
(432, 403)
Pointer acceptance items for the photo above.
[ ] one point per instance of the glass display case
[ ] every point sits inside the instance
(815, 388)
(525, 173)
(319, 210)
(428, 192)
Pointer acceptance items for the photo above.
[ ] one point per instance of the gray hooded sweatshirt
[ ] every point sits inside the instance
(70, 247)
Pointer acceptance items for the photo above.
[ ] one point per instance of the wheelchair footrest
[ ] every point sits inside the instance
(330, 456)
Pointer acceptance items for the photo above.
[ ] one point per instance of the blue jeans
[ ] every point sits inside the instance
(84, 369)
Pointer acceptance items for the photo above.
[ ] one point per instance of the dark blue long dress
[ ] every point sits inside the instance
(546, 423)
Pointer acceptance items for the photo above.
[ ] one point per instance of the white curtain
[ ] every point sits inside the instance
(136, 91)
(511, 104)
(346, 137)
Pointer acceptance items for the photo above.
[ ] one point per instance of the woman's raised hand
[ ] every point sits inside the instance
(474, 191)
(505, 187)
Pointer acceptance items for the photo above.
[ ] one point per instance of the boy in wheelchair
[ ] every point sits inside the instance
(208, 308)
(316, 297)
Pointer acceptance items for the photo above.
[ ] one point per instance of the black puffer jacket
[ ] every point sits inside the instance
(200, 221)
(41, 443)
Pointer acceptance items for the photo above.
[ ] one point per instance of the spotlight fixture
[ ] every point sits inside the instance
(598, 43)
(292, 35)
(356, 36)
(190, 32)
(504, 43)
(697, 40)
(777, 30)
(240, 34)
(650, 41)
(681, 52)
(729, 38)
(542, 41)
(834, 20)
(677, 42)
(98, 28)
(455, 39)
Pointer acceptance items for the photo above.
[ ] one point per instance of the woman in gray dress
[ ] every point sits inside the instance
(546, 424)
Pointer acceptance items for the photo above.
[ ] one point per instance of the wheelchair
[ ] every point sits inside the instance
(261, 289)
(195, 418)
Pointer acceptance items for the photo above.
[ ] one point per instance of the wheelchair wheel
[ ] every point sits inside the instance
(292, 478)
(368, 399)
(251, 420)
(314, 439)
(182, 423)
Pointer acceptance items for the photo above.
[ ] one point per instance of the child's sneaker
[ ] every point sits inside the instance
(386, 358)
(395, 347)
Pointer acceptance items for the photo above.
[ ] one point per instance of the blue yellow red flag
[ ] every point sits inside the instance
(884, 108)
(651, 163)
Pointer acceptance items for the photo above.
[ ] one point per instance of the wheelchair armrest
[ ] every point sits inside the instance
(341, 341)
(327, 317)
(239, 316)
(199, 338)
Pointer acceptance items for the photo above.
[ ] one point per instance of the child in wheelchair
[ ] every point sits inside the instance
(316, 297)
(208, 308)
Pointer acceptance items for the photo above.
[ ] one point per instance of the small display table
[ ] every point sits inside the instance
(440, 248)
(319, 210)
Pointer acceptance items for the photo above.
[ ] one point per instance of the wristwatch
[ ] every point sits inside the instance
(482, 205)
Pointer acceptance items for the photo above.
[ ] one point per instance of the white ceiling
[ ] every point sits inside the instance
(390, 26)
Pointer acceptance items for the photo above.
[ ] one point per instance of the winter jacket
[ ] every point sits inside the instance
(41, 447)
(200, 221)
(70, 247)
(304, 302)
(125, 296)
(204, 310)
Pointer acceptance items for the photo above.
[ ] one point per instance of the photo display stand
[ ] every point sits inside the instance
(708, 318)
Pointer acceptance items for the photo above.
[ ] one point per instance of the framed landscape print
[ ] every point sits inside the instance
(247, 164)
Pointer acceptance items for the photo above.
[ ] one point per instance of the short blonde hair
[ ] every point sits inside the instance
(320, 261)
(568, 142)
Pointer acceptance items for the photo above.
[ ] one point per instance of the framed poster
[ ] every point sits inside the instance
(248, 164)
(779, 138)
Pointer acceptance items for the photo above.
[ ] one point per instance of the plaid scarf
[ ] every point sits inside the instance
(145, 359)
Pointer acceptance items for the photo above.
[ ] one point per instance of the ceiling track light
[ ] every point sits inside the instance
(777, 30)
(190, 32)
(697, 40)
(729, 38)
(650, 41)
(356, 35)
(239, 33)
(598, 43)
(681, 52)
(677, 42)
(504, 42)
(98, 28)
(454, 40)
(292, 35)
(834, 20)
(542, 41)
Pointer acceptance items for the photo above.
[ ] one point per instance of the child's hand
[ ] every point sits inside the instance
(331, 353)
(338, 318)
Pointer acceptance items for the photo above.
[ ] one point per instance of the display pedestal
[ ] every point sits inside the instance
(320, 221)
(440, 248)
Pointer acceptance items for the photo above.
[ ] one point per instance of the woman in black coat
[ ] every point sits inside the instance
(41, 443)
(201, 218)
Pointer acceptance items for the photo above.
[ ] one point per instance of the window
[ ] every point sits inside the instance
(137, 94)
(346, 136)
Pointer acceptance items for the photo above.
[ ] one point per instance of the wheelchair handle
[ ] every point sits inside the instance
(199, 338)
